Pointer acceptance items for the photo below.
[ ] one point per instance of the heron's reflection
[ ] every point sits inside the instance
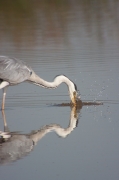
(14, 146)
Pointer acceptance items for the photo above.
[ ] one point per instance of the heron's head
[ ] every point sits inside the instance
(73, 93)
(71, 86)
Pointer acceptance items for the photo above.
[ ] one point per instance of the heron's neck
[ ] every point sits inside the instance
(57, 81)
(62, 132)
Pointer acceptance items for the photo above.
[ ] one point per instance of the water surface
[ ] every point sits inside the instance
(78, 39)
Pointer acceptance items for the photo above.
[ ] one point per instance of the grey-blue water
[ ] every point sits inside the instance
(80, 40)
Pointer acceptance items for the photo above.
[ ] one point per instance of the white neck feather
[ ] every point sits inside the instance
(57, 81)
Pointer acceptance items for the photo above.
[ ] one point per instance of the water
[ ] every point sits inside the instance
(78, 39)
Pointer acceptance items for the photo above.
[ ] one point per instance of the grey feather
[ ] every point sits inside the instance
(13, 70)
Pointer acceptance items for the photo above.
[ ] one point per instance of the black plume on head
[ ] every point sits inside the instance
(75, 86)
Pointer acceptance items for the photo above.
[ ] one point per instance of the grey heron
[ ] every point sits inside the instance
(14, 71)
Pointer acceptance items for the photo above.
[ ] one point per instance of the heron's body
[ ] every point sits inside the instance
(14, 71)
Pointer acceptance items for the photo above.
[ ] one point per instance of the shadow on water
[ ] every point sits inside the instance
(80, 104)
(14, 145)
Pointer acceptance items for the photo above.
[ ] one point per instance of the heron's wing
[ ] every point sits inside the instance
(13, 70)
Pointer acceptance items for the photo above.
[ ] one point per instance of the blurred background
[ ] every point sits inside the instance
(28, 24)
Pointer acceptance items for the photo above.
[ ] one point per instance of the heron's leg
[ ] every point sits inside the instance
(5, 122)
(3, 97)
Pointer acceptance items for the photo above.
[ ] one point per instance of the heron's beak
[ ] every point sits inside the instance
(74, 98)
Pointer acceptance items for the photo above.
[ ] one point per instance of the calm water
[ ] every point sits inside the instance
(80, 40)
